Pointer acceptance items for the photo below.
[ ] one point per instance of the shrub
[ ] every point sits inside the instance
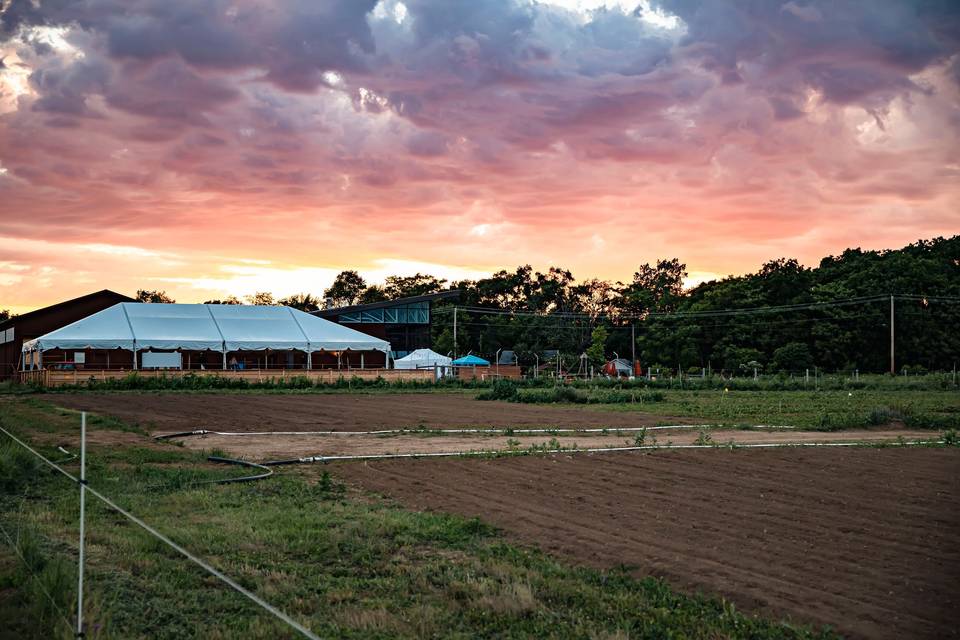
(502, 389)
(552, 395)
(793, 356)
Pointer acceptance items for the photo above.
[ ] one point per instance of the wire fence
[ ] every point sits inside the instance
(205, 566)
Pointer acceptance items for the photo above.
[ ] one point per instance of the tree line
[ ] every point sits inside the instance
(690, 329)
(655, 317)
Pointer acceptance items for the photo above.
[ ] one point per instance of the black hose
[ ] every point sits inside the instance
(181, 434)
(277, 463)
(242, 463)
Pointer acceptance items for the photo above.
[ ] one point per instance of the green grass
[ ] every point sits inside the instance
(190, 383)
(826, 410)
(345, 563)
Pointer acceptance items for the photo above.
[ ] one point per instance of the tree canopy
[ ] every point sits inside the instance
(710, 325)
(301, 301)
(674, 327)
(144, 295)
(346, 290)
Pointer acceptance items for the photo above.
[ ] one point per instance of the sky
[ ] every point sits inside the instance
(218, 147)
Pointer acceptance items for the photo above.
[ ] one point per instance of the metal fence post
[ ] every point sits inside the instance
(83, 482)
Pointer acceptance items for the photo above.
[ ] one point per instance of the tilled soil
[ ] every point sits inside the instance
(339, 412)
(862, 539)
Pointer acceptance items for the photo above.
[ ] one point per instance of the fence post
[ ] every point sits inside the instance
(83, 493)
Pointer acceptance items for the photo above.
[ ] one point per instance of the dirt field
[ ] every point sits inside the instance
(167, 413)
(862, 539)
(262, 448)
(338, 412)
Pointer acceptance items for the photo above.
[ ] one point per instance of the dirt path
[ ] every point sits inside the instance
(262, 448)
(339, 412)
(862, 539)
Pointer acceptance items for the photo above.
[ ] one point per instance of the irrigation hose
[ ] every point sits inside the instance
(524, 452)
(189, 556)
(242, 463)
(492, 431)
(220, 459)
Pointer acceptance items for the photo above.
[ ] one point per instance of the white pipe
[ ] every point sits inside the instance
(505, 431)
(452, 454)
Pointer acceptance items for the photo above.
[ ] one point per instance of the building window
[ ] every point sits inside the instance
(414, 313)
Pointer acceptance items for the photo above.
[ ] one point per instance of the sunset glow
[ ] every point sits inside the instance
(228, 147)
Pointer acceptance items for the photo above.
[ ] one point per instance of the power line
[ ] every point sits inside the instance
(805, 306)
(718, 322)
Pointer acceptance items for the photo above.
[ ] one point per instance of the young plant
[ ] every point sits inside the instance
(640, 438)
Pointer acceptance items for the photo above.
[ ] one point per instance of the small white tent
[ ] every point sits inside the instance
(422, 359)
(136, 327)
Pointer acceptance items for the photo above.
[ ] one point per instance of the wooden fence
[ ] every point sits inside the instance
(488, 373)
(56, 378)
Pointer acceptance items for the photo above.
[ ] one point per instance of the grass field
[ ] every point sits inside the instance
(813, 409)
(824, 409)
(344, 562)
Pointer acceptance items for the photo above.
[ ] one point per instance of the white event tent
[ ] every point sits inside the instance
(138, 326)
(422, 359)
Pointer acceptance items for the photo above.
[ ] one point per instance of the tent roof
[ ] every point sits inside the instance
(131, 325)
(421, 357)
(471, 359)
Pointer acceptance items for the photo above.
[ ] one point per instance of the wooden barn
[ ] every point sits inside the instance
(28, 326)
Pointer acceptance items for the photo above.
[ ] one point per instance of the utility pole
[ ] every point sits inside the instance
(892, 367)
(454, 332)
(633, 346)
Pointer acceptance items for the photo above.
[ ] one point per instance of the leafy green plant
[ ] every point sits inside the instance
(703, 438)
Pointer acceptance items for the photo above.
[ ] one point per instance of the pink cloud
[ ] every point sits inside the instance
(333, 135)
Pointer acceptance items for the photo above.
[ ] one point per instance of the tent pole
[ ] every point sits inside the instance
(309, 358)
(135, 355)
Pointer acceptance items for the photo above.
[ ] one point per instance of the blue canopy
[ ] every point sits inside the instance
(471, 360)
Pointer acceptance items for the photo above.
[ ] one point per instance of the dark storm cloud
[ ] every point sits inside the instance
(64, 90)
(280, 82)
(293, 42)
(848, 49)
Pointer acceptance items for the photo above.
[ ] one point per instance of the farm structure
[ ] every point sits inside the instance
(25, 327)
(231, 340)
(403, 322)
